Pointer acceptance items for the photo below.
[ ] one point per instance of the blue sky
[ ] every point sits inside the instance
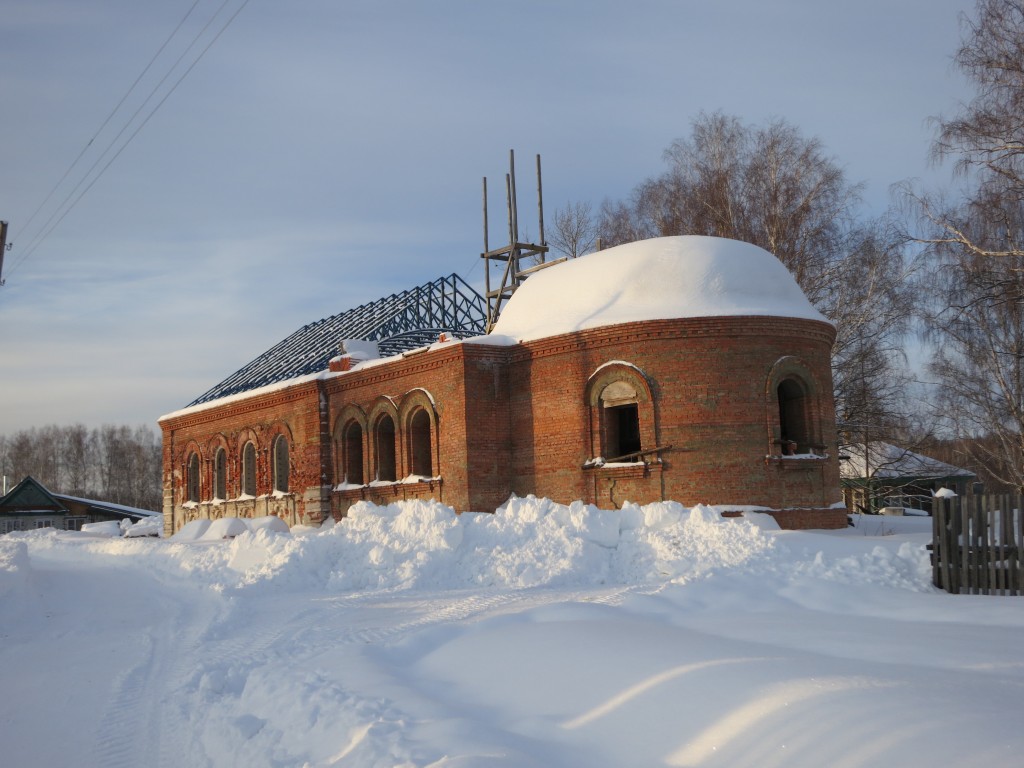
(324, 154)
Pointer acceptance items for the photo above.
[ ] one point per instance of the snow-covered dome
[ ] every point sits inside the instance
(658, 279)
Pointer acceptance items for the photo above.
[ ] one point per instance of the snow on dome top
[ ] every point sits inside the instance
(659, 279)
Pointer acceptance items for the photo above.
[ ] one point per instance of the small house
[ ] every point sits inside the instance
(883, 475)
(30, 505)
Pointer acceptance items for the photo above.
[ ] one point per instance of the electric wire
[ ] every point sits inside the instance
(113, 112)
(48, 227)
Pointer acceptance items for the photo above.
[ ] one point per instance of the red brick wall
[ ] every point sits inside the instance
(713, 392)
(293, 411)
(522, 420)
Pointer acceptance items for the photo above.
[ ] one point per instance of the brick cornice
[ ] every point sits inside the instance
(676, 329)
(397, 367)
(242, 405)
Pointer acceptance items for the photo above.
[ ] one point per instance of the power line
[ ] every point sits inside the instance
(58, 216)
(110, 116)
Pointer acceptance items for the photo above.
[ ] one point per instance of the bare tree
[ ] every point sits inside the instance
(78, 447)
(975, 316)
(573, 231)
(986, 139)
(775, 188)
(112, 463)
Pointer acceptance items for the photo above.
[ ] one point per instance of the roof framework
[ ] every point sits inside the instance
(398, 323)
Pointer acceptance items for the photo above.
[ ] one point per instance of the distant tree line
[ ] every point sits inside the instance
(119, 464)
(946, 267)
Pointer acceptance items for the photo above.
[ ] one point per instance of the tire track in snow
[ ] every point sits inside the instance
(142, 717)
(444, 608)
(245, 638)
(120, 740)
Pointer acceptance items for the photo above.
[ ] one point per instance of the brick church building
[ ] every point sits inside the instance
(684, 368)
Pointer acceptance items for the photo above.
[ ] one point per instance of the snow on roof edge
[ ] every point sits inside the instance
(661, 278)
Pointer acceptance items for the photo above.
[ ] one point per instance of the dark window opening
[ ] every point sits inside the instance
(220, 474)
(622, 432)
(793, 422)
(620, 422)
(249, 470)
(353, 452)
(281, 464)
(192, 480)
(419, 438)
(386, 449)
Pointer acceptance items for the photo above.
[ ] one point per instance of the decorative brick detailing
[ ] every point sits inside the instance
(530, 419)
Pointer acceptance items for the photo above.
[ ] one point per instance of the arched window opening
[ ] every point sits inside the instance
(220, 474)
(280, 452)
(192, 479)
(793, 418)
(385, 441)
(419, 444)
(620, 422)
(249, 469)
(352, 447)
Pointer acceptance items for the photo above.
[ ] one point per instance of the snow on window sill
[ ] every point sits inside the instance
(622, 469)
(380, 485)
(598, 462)
(797, 460)
(419, 479)
(408, 480)
(348, 486)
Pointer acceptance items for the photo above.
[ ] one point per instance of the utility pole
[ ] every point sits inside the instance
(3, 248)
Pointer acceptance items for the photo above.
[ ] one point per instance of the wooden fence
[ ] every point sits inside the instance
(977, 544)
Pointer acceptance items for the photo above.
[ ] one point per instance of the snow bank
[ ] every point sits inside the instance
(528, 542)
(149, 526)
(15, 567)
(108, 528)
(663, 278)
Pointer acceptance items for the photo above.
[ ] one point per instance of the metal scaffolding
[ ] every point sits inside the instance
(398, 323)
(508, 259)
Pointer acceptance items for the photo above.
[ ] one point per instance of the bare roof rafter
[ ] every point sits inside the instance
(399, 322)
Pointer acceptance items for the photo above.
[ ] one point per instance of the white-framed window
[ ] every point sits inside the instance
(280, 463)
(192, 477)
(220, 474)
(249, 469)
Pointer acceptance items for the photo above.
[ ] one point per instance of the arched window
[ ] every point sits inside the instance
(192, 479)
(249, 469)
(352, 450)
(793, 417)
(384, 435)
(620, 422)
(623, 416)
(419, 444)
(280, 463)
(220, 474)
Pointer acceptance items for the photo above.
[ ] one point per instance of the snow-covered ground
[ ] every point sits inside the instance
(543, 635)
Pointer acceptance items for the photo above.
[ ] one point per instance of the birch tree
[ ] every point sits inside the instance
(773, 187)
(974, 316)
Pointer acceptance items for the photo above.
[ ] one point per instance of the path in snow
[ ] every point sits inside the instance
(753, 649)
